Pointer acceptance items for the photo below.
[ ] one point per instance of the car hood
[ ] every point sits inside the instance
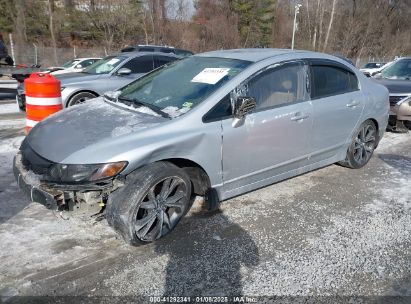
(77, 77)
(81, 126)
(395, 86)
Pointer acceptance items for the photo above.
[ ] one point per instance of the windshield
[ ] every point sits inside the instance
(177, 88)
(70, 63)
(400, 69)
(104, 66)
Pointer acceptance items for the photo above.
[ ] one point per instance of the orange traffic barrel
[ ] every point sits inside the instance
(43, 98)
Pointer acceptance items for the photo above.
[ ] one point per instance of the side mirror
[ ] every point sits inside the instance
(79, 66)
(244, 105)
(123, 72)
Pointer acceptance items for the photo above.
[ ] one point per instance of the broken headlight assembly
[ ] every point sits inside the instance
(84, 173)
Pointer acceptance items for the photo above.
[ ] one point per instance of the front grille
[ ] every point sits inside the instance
(395, 99)
(32, 161)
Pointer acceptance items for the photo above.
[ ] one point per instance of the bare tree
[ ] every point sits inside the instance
(329, 25)
(19, 30)
(50, 7)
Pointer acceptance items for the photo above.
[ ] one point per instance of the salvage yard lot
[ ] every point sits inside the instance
(334, 231)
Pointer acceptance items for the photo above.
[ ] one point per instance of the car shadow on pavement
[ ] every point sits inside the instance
(399, 292)
(209, 261)
(399, 162)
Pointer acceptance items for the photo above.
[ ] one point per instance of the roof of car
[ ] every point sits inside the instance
(256, 54)
(87, 58)
(137, 54)
(155, 46)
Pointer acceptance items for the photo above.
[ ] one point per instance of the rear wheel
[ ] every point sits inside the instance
(80, 98)
(9, 60)
(151, 204)
(362, 146)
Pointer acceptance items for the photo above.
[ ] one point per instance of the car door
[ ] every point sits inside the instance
(337, 106)
(138, 66)
(274, 138)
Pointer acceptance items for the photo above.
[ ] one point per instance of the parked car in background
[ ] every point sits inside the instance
(217, 124)
(157, 48)
(397, 78)
(75, 65)
(107, 74)
(369, 68)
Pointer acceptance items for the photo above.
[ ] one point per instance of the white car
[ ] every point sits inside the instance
(72, 66)
(372, 67)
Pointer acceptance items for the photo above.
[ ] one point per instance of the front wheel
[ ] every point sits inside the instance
(154, 200)
(362, 146)
(80, 98)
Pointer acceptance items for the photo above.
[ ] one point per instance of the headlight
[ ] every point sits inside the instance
(85, 173)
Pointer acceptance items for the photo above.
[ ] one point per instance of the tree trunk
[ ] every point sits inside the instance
(320, 31)
(19, 30)
(327, 36)
(316, 25)
(308, 18)
(51, 25)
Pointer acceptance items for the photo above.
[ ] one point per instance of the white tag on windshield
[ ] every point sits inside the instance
(113, 61)
(210, 75)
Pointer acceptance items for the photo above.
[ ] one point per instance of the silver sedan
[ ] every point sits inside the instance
(217, 124)
(109, 73)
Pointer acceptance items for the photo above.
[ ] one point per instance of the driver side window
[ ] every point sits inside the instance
(279, 86)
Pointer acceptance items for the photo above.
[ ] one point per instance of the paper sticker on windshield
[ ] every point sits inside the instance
(113, 61)
(210, 75)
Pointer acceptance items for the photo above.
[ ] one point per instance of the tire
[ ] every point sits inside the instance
(9, 61)
(362, 146)
(150, 205)
(80, 98)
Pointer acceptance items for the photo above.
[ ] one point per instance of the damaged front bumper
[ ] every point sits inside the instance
(79, 199)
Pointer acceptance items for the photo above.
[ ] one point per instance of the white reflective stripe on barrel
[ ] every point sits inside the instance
(43, 101)
(31, 123)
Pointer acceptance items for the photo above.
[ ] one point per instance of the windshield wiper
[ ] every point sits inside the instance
(154, 108)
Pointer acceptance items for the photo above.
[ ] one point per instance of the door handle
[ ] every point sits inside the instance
(353, 104)
(299, 116)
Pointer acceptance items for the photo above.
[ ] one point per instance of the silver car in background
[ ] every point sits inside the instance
(107, 74)
(397, 79)
(217, 124)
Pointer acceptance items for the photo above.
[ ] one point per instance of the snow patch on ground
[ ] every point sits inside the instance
(11, 144)
(9, 108)
(13, 123)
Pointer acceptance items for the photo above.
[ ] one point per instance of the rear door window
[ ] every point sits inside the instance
(162, 60)
(328, 80)
(142, 64)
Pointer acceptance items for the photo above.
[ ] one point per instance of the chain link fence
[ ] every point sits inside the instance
(360, 62)
(45, 56)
